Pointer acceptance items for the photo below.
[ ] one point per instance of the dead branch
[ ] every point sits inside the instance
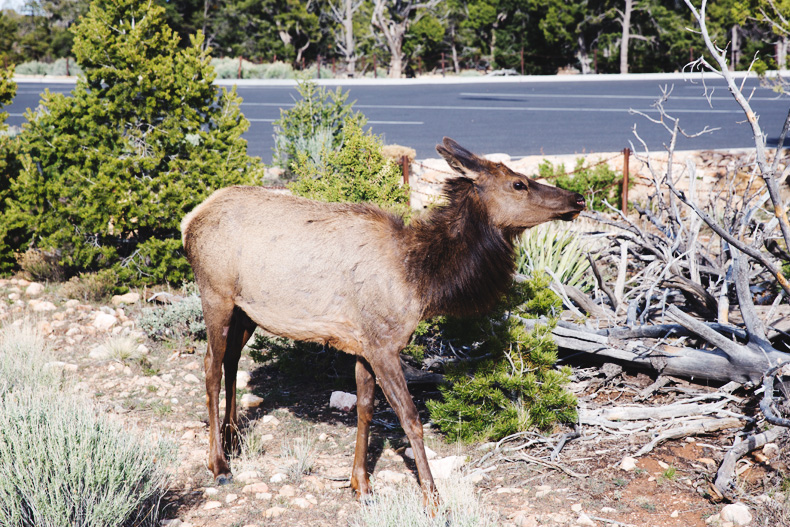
(725, 476)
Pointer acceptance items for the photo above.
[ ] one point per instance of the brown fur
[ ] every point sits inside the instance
(357, 278)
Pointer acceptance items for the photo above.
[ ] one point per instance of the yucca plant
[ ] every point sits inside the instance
(552, 246)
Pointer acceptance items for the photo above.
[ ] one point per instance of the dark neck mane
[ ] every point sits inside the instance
(460, 262)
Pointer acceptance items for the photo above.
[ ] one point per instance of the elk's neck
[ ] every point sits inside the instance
(459, 261)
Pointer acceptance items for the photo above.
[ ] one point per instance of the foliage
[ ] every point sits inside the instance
(319, 111)
(181, 320)
(229, 69)
(94, 472)
(93, 287)
(518, 386)
(61, 66)
(41, 265)
(357, 172)
(108, 172)
(557, 248)
(595, 183)
(404, 506)
(62, 462)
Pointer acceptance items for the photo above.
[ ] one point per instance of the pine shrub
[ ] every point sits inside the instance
(516, 385)
(356, 172)
(108, 172)
(318, 111)
(9, 163)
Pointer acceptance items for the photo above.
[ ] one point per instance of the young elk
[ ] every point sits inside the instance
(356, 278)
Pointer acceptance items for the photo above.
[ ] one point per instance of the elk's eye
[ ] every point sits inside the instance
(518, 185)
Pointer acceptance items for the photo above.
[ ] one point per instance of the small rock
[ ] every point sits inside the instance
(443, 468)
(142, 349)
(475, 477)
(210, 491)
(608, 510)
(737, 513)
(585, 520)
(508, 490)
(542, 491)
(273, 512)
(243, 379)
(104, 321)
(302, 503)
(322, 437)
(43, 306)
(770, 450)
(212, 505)
(60, 365)
(99, 353)
(628, 464)
(34, 289)
(343, 401)
(287, 491)
(189, 435)
(191, 378)
(663, 465)
(708, 461)
(576, 507)
(523, 520)
(278, 478)
(263, 496)
(675, 514)
(128, 298)
(255, 488)
(249, 400)
(390, 476)
(71, 304)
(270, 420)
(430, 454)
(714, 519)
(249, 476)
(230, 498)
(171, 523)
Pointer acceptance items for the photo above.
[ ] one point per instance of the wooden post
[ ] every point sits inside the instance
(68, 72)
(522, 60)
(442, 63)
(405, 167)
(626, 156)
(238, 74)
(318, 69)
(375, 68)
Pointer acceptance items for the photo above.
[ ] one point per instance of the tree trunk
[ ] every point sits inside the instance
(456, 65)
(781, 53)
(629, 5)
(583, 56)
(348, 34)
(492, 47)
(735, 54)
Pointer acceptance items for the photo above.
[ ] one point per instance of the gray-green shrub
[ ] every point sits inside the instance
(23, 359)
(64, 464)
(183, 319)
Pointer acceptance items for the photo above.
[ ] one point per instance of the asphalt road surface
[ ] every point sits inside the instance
(551, 115)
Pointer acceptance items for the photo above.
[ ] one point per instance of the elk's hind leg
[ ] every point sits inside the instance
(366, 386)
(239, 331)
(217, 312)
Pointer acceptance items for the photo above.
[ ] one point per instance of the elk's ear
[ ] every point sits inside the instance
(459, 158)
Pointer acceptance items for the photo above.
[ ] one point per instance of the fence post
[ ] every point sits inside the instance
(442, 63)
(626, 156)
(405, 167)
(238, 75)
(318, 69)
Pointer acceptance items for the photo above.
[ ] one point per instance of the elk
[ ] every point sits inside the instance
(357, 278)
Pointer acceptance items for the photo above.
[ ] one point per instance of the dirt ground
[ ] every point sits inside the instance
(160, 389)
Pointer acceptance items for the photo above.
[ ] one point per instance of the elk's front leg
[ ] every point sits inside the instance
(390, 376)
(366, 385)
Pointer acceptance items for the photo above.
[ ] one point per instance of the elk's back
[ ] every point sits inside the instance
(302, 269)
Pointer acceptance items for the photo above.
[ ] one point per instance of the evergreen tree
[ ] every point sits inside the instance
(109, 172)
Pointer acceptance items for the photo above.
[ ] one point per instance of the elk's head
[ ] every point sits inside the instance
(513, 200)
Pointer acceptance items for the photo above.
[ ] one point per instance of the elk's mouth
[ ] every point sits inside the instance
(573, 214)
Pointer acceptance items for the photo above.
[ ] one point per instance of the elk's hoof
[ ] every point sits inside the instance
(224, 479)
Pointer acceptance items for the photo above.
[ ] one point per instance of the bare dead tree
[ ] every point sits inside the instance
(393, 18)
(342, 13)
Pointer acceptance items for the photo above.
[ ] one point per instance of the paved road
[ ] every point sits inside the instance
(531, 116)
